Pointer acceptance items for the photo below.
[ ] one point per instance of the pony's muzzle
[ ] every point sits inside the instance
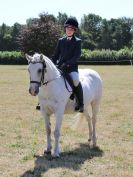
(34, 91)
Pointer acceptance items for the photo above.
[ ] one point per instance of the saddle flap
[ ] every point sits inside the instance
(70, 82)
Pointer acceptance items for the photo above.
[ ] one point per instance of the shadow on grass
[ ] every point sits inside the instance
(69, 159)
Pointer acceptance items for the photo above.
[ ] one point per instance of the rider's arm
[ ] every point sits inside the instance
(56, 55)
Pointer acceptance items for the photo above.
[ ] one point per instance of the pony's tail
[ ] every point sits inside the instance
(79, 122)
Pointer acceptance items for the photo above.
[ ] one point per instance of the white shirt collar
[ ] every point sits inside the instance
(69, 38)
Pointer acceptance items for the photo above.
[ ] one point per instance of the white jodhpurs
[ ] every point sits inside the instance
(75, 77)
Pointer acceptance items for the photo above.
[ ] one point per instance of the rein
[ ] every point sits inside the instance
(45, 83)
(63, 74)
(66, 84)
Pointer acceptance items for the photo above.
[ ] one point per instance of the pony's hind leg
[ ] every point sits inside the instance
(95, 109)
(88, 118)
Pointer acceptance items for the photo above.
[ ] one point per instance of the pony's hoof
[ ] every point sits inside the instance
(94, 145)
(76, 108)
(47, 152)
(56, 157)
(89, 142)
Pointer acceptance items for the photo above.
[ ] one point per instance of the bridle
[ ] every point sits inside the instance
(43, 72)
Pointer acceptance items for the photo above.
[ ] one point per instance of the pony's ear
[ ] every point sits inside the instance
(28, 57)
(41, 57)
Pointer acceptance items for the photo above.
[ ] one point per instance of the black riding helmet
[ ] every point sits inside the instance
(71, 21)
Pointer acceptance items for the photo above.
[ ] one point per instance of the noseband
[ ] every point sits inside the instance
(42, 77)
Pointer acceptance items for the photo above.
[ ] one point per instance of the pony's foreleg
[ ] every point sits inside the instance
(58, 116)
(95, 108)
(88, 118)
(48, 131)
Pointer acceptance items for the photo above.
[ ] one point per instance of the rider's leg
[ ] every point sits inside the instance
(79, 94)
(78, 91)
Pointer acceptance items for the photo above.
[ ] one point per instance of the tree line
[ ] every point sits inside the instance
(41, 34)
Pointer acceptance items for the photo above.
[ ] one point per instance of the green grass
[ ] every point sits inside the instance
(22, 133)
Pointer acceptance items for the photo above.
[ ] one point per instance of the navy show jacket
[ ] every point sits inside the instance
(68, 52)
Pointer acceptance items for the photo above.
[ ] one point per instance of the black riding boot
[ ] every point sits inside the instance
(79, 96)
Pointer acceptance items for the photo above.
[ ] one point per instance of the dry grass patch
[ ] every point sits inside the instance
(22, 134)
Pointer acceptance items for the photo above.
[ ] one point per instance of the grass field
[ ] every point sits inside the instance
(22, 134)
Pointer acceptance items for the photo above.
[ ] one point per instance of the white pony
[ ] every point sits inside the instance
(47, 82)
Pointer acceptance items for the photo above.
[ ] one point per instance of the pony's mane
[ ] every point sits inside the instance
(49, 64)
(37, 58)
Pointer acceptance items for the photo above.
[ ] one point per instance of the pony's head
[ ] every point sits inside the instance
(41, 69)
(36, 69)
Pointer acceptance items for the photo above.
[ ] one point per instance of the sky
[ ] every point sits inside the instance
(12, 11)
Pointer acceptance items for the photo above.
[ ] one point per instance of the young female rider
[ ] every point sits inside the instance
(66, 56)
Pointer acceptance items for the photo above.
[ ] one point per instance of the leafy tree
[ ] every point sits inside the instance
(15, 33)
(120, 33)
(90, 27)
(5, 37)
(62, 17)
(106, 38)
(40, 35)
(3, 30)
(2, 34)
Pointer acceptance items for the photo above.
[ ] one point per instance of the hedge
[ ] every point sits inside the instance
(14, 58)
(123, 56)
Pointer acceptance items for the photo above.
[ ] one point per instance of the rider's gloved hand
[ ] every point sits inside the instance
(63, 66)
(57, 66)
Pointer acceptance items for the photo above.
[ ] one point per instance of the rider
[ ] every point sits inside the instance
(66, 55)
